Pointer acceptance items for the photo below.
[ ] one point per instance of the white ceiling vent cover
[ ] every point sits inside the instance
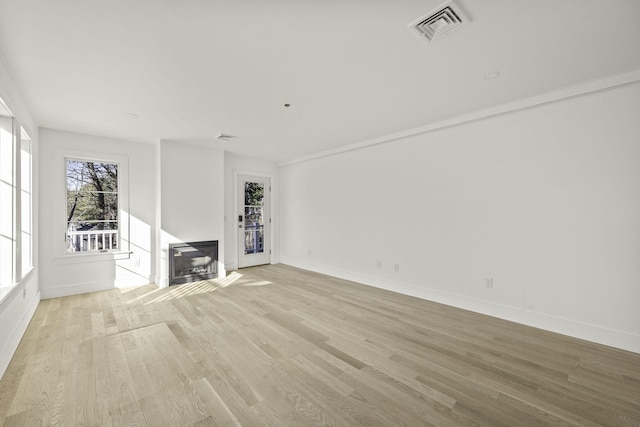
(439, 21)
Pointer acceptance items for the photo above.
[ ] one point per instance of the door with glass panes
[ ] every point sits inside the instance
(254, 222)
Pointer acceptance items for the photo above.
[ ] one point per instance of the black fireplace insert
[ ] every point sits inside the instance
(192, 261)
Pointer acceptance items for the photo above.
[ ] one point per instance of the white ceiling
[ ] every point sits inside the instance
(351, 69)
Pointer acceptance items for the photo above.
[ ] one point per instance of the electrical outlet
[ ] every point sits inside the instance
(488, 283)
(396, 268)
(379, 264)
(24, 293)
(136, 263)
(309, 252)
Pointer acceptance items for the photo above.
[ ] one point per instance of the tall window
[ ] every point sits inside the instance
(26, 194)
(7, 202)
(16, 198)
(92, 206)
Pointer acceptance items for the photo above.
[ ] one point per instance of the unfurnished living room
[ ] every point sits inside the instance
(320, 213)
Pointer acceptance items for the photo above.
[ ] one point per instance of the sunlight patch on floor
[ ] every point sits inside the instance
(195, 288)
(143, 296)
(229, 280)
(255, 283)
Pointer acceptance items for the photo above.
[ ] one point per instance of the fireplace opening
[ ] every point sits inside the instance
(193, 261)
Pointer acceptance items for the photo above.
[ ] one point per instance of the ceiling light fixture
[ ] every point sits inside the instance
(132, 116)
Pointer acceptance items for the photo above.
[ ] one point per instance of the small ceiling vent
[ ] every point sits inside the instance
(439, 21)
(226, 137)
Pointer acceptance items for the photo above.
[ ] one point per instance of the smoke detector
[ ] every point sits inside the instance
(439, 21)
(226, 137)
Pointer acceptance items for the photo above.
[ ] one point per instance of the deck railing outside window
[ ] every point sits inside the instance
(92, 240)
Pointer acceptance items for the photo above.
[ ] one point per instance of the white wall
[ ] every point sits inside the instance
(545, 201)
(17, 308)
(192, 197)
(234, 164)
(64, 275)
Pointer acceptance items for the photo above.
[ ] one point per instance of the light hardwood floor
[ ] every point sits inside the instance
(278, 346)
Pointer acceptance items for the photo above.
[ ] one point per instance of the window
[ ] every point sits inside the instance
(7, 202)
(92, 201)
(16, 198)
(26, 202)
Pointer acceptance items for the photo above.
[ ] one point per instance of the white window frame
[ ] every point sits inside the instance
(60, 217)
(12, 136)
(10, 219)
(26, 225)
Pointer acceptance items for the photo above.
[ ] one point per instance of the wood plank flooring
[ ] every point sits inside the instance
(279, 346)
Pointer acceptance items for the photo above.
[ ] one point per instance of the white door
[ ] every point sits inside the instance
(254, 220)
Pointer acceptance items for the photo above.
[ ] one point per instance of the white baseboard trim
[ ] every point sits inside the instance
(11, 345)
(594, 333)
(232, 266)
(81, 288)
(133, 281)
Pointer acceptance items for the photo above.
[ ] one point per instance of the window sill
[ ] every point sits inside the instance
(92, 257)
(5, 291)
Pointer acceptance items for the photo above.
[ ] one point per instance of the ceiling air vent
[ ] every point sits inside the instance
(439, 21)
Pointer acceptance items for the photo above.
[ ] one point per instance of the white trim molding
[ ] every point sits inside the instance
(614, 338)
(59, 217)
(523, 104)
(10, 347)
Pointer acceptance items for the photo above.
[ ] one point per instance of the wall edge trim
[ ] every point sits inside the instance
(10, 347)
(585, 88)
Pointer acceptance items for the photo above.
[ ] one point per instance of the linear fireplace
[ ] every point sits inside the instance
(192, 261)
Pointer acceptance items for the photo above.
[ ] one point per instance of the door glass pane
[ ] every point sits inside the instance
(253, 194)
(253, 218)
